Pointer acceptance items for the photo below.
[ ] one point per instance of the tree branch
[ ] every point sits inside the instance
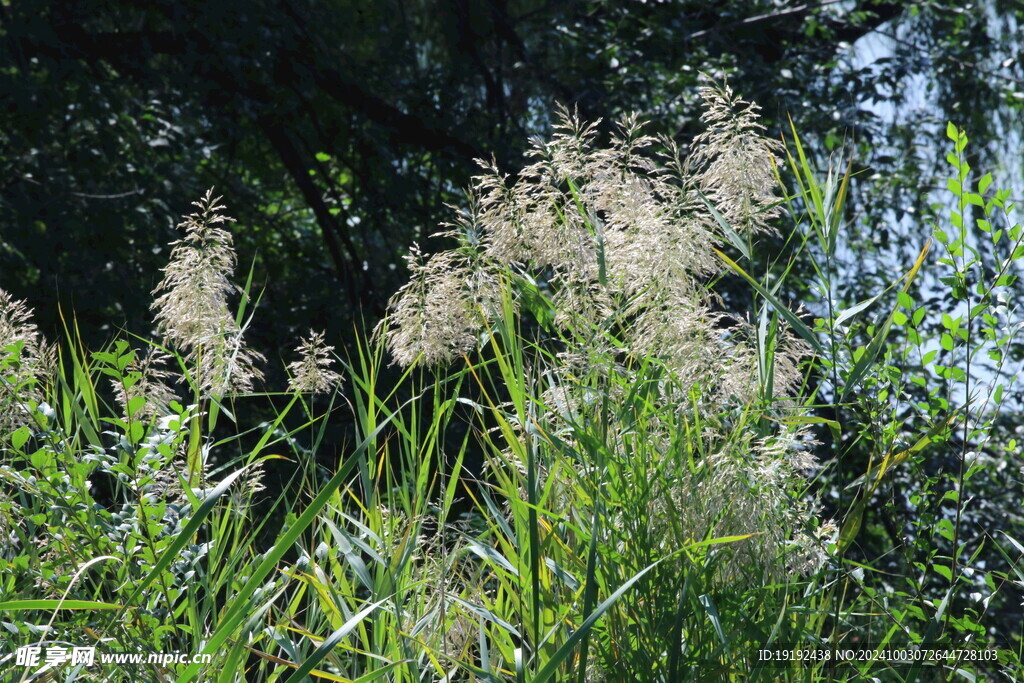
(334, 235)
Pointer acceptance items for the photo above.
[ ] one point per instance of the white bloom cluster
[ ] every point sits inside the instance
(192, 310)
(619, 243)
(26, 360)
(312, 373)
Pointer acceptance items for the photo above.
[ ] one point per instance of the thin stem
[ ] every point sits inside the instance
(961, 478)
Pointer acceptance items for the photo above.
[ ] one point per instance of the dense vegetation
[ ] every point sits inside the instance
(666, 392)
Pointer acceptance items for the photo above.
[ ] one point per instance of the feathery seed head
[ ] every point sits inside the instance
(16, 322)
(435, 317)
(619, 247)
(192, 310)
(608, 233)
(21, 369)
(312, 373)
(148, 379)
(737, 161)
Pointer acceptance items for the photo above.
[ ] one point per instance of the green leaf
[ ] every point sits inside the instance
(54, 603)
(709, 606)
(20, 437)
(186, 536)
(798, 325)
(832, 425)
(237, 609)
(731, 234)
(837, 207)
(565, 651)
(815, 190)
(374, 675)
(875, 347)
(851, 525)
(136, 431)
(855, 309)
(486, 614)
(331, 641)
(135, 404)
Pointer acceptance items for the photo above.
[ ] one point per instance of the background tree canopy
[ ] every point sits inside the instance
(337, 131)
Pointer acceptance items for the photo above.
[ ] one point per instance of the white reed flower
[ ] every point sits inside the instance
(737, 162)
(605, 234)
(147, 378)
(312, 373)
(619, 244)
(21, 369)
(192, 310)
(435, 317)
(251, 483)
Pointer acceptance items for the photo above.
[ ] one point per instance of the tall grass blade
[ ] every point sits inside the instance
(566, 649)
(331, 641)
(794, 322)
(867, 360)
(237, 610)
